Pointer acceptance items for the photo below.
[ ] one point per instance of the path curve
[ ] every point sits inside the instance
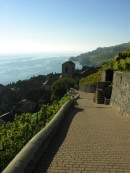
(93, 138)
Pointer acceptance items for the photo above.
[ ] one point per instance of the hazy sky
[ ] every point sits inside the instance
(62, 25)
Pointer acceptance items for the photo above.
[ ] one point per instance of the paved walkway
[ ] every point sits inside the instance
(94, 139)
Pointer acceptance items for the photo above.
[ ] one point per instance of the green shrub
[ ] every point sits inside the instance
(14, 135)
(122, 65)
(60, 87)
(92, 79)
(128, 63)
(116, 65)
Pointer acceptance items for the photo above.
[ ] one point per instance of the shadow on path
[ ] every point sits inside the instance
(56, 142)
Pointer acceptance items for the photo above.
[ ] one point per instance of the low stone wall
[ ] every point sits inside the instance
(88, 88)
(73, 93)
(120, 98)
(27, 159)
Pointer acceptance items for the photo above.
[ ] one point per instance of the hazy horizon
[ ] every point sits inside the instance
(62, 26)
(17, 68)
(43, 54)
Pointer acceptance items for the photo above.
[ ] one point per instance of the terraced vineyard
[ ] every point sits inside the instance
(14, 135)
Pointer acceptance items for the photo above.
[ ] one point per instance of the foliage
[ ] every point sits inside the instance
(91, 79)
(60, 87)
(14, 135)
(7, 99)
(128, 63)
(127, 51)
(122, 63)
(25, 85)
(116, 65)
(13, 93)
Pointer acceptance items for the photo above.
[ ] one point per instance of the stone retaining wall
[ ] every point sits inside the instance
(120, 98)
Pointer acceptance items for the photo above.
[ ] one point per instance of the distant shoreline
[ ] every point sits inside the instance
(13, 69)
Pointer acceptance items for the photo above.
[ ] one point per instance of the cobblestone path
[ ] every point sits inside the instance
(93, 139)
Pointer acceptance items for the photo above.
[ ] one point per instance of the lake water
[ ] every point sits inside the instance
(20, 67)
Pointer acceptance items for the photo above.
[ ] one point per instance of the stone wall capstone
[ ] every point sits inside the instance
(120, 98)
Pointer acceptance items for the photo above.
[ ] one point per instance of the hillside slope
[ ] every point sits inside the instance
(120, 63)
(100, 55)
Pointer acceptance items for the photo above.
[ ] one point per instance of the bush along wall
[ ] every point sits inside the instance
(14, 135)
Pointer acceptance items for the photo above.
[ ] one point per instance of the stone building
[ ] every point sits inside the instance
(68, 69)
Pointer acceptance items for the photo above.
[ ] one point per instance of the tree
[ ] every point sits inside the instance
(60, 87)
(122, 64)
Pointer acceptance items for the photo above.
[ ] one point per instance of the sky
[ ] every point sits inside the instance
(64, 26)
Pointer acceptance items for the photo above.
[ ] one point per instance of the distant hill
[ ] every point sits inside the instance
(100, 55)
(120, 63)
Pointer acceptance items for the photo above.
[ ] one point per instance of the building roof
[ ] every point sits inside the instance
(69, 62)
